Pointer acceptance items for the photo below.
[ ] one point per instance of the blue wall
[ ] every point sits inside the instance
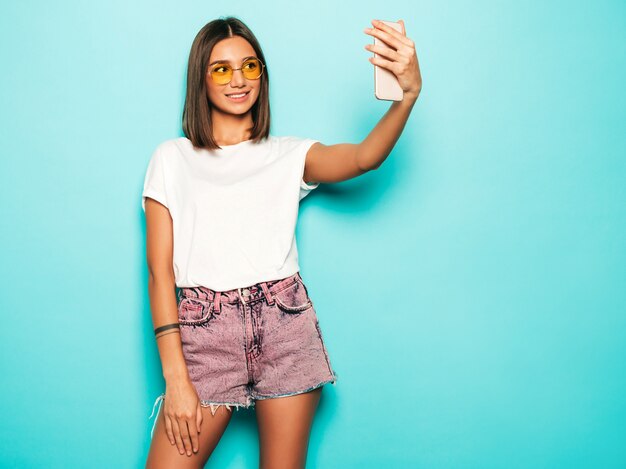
(471, 291)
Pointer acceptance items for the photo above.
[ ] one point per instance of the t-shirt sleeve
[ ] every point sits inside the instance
(305, 188)
(154, 181)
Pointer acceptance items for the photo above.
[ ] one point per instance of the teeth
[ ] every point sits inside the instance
(237, 95)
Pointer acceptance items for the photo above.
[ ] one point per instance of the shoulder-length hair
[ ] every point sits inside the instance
(197, 124)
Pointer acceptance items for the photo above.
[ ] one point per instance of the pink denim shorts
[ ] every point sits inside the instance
(249, 343)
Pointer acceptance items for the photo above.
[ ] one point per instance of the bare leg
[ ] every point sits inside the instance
(284, 429)
(164, 455)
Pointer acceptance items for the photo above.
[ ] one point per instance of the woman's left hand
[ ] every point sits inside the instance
(399, 58)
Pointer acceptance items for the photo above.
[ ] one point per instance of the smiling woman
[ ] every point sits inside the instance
(221, 209)
(240, 85)
(225, 62)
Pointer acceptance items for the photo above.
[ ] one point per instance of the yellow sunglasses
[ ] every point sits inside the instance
(222, 72)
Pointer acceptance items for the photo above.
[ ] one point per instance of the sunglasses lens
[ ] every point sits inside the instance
(222, 73)
(252, 69)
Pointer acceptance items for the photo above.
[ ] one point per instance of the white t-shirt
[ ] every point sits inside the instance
(234, 210)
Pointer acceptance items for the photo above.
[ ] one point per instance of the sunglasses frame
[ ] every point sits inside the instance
(221, 64)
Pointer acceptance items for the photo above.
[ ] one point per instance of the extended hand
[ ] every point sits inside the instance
(399, 58)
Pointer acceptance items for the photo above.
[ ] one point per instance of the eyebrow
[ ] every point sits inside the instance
(227, 61)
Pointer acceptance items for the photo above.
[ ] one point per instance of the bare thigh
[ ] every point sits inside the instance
(284, 429)
(163, 454)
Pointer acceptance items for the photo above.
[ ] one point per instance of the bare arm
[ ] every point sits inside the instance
(182, 410)
(162, 288)
(334, 163)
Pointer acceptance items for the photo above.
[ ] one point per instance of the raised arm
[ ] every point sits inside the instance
(334, 163)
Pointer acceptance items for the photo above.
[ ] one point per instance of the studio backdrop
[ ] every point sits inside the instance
(471, 291)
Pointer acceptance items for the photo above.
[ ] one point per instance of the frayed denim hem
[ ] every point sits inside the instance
(215, 405)
(229, 405)
(333, 381)
(160, 398)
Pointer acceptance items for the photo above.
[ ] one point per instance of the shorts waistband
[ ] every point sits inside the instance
(249, 294)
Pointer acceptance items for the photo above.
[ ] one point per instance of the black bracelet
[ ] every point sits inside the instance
(166, 327)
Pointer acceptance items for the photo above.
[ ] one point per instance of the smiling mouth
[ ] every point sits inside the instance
(238, 95)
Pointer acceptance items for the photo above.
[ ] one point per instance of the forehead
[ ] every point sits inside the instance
(232, 49)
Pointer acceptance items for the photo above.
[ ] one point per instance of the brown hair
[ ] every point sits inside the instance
(197, 124)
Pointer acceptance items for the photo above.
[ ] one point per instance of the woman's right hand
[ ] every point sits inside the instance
(183, 415)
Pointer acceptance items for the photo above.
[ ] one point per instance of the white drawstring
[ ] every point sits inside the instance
(241, 296)
(161, 398)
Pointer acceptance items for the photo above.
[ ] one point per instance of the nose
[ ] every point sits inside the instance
(238, 80)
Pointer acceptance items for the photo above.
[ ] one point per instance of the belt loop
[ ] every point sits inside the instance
(266, 292)
(216, 304)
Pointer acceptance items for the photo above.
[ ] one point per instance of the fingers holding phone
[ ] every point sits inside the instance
(396, 68)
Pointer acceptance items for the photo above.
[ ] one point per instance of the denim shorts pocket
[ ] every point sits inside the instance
(293, 299)
(192, 311)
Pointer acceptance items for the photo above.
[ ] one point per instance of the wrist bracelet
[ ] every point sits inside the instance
(166, 327)
(163, 334)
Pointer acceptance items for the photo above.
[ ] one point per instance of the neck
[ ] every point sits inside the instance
(229, 129)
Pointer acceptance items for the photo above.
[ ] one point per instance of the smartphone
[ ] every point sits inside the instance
(386, 86)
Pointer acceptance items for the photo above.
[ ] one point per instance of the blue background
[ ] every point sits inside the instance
(471, 291)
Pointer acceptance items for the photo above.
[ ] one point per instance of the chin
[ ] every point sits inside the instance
(237, 111)
(234, 108)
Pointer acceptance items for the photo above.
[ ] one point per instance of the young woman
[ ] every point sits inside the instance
(233, 320)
